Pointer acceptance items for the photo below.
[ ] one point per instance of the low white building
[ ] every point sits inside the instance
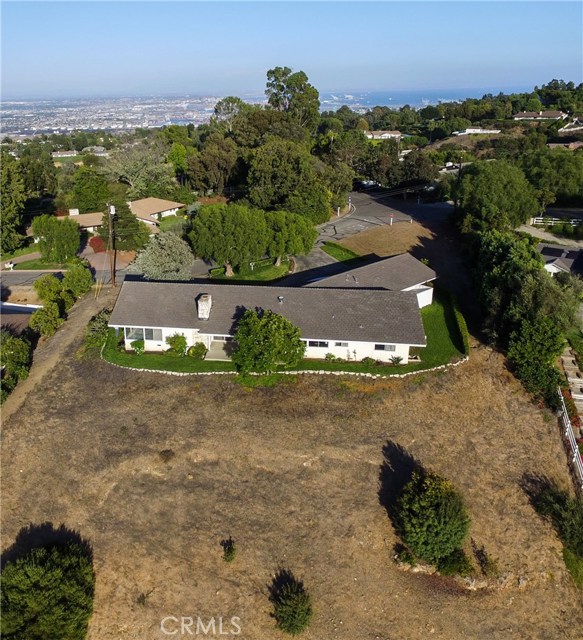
(350, 323)
(539, 115)
(152, 210)
(383, 135)
(474, 130)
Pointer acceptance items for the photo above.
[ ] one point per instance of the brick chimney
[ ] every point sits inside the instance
(204, 304)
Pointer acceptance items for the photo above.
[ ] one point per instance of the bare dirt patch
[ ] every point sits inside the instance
(292, 474)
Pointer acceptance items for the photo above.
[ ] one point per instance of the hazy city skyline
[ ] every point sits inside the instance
(90, 49)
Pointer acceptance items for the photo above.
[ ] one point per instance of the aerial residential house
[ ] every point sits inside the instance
(87, 221)
(383, 135)
(572, 127)
(349, 323)
(98, 151)
(561, 259)
(64, 154)
(539, 115)
(152, 210)
(398, 273)
(475, 130)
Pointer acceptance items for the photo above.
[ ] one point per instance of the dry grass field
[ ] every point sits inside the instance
(389, 240)
(292, 473)
(156, 470)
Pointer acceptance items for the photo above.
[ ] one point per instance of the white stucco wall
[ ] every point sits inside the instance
(352, 350)
(424, 294)
(169, 212)
(357, 351)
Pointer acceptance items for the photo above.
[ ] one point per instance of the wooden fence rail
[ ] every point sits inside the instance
(575, 462)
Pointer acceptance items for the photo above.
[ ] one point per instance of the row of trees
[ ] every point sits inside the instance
(233, 235)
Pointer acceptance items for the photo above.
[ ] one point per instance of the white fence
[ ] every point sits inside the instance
(574, 222)
(575, 462)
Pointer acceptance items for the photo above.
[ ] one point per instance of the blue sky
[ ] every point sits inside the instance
(59, 49)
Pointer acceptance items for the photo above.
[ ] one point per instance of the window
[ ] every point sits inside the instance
(341, 344)
(222, 338)
(134, 333)
(385, 347)
(153, 334)
(318, 343)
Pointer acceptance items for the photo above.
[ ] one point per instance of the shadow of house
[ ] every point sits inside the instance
(44, 535)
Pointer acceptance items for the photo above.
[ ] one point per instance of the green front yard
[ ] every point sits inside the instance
(38, 265)
(338, 252)
(444, 343)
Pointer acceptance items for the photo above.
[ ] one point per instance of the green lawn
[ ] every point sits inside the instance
(38, 265)
(263, 270)
(340, 253)
(444, 342)
(170, 221)
(575, 566)
(159, 361)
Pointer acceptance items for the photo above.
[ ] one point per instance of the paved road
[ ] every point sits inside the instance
(545, 236)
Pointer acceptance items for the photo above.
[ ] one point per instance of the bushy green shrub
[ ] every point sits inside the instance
(177, 344)
(396, 360)
(48, 288)
(198, 351)
(229, 549)
(138, 347)
(46, 320)
(96, 331)
(292, 605)
(78, 280)
(431, 517)
(456, 563)
(330, 357)
(368, 361)
(48, 593)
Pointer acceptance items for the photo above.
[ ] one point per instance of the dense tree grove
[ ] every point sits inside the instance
(287, 155)
(235, 235)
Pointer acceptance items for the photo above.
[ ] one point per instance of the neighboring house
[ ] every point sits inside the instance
(398, 273)
(576, 125)
(64, 154)
(98, 151)
(383, 135)
(468, 132)
(349, 323)
(561, 259)
(152, 210)
(539, 115)
(87, 221)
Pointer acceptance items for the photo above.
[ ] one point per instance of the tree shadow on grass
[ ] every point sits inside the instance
(284, 579)
(395, 472)
(35, 536)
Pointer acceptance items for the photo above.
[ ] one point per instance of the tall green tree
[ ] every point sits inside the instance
(165, 257)
(494, 195)
(233, 235)
(90, 191)
(48, 593)
(264, 340)
(292, 93)
(129, 233)
(13, 199)
(59, 239)
(226, 110)
(282, 175)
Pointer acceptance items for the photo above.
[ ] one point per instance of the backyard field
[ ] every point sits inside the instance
(156, 470)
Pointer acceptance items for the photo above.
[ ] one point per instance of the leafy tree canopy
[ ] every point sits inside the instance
(264, 340)
(431, 517)
(495, 195)
(165, 257)
(48, 594)
(59, 239)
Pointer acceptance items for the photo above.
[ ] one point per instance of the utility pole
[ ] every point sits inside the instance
(110, 216)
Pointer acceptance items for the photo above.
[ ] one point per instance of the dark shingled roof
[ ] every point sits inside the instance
(396, 273)
(390, 317)
(565, 258)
